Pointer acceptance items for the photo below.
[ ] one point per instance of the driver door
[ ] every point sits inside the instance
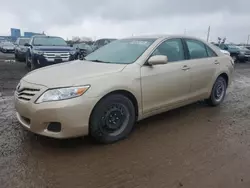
(166, 86)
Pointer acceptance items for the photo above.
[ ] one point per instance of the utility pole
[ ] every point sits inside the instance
(208, 33)
(248, 39)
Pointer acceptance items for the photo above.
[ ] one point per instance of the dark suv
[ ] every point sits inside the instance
(47, 50)
(20, 49)
(239, 54)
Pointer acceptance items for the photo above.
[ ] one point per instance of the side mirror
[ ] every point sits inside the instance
(158, 60)
(26, 44)
(71, 45)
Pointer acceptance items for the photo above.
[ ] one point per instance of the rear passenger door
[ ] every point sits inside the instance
(203, 64)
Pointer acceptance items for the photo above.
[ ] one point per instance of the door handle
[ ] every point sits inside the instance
(216, 62)
(185, 67)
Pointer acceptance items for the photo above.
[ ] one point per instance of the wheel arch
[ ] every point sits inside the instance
(225, 76)
(123, 92)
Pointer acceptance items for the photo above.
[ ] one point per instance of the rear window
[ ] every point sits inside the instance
(23, 41)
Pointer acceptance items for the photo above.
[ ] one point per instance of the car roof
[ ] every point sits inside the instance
(45, 36)
(163, 36)
(23, 38)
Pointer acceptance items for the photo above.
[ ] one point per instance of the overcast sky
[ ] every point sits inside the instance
(122, 18)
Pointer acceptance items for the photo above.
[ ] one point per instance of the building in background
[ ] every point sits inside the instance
(30, 34)
(15, 33)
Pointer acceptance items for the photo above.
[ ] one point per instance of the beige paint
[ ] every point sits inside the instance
(157, 88)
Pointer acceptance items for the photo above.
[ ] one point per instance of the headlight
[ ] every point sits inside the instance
(62, 93)
(242, 53)
(38, 52)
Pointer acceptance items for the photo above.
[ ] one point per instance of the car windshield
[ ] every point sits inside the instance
(49, 41)
(83, 46)
(233, 47)
(23, 41)
(124, 51)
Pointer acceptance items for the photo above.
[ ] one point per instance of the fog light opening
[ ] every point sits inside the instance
(54, 127)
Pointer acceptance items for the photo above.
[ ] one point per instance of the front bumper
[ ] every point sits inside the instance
(72, 114)
(244, 57)
(21, 54)
(8, 50)
(41, 60)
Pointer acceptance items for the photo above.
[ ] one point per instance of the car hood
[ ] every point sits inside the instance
(53, 48)
(70, 73)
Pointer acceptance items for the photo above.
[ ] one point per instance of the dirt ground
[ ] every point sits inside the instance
(193, 147)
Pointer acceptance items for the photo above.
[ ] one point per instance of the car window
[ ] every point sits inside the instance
(196, 49)
(171, 48)
(210, 52)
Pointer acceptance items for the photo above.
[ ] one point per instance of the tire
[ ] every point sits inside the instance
(33, 66)
(27, 61)
(112, 119)
(16, 57)
(218, 92)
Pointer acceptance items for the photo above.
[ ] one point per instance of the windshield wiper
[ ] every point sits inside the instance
(98, 61)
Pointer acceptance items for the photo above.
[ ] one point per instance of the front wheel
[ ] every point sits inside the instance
(112, 119)
(33, 65)
(218, 92)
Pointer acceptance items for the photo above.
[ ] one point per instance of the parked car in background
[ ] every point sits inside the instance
(244, 54)
(20, 49)
(101, 42)
(7, 47)
(121, 83)
(223, 51)
(245, 46)
(238, 54)
(82, 49)
(47, 50)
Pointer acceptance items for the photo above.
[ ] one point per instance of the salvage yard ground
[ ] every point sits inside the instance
(193, 147)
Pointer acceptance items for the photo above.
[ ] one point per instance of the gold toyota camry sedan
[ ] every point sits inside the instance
(119, 84)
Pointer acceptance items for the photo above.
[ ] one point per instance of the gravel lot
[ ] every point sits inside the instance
(193, 147)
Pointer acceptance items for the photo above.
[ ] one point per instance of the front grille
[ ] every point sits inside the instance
(54, 55)
(26, 93)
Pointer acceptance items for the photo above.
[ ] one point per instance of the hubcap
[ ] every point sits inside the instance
(115, 119)
(219, 91)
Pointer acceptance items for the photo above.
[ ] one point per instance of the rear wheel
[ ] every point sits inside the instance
(218, 92)
(112, 119)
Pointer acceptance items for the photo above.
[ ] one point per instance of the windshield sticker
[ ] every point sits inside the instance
(138, 42)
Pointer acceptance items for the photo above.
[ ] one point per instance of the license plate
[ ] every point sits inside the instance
(58, 60)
